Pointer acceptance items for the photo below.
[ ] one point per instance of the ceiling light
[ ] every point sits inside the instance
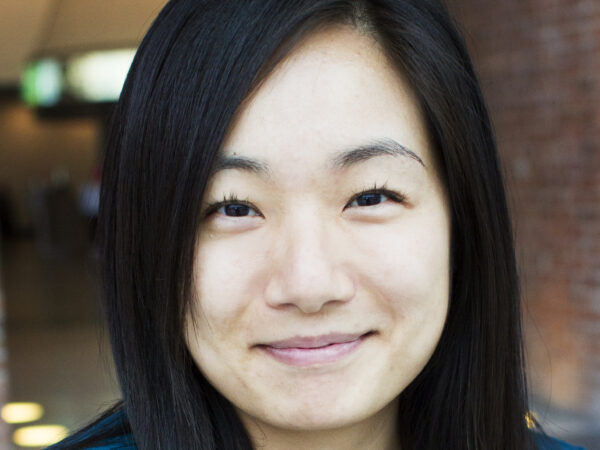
(40, 435)
(21, 412)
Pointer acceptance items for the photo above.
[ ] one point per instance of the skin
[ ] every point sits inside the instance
(308, 258)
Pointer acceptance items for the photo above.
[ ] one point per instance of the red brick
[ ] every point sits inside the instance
(539, 66)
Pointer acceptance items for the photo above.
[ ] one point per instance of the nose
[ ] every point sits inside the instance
(307, 270)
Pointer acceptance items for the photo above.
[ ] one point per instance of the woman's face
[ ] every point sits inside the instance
(322, 282)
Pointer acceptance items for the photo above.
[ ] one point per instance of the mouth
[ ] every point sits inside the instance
(303, 351)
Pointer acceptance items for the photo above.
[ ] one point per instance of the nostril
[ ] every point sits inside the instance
(308, 291)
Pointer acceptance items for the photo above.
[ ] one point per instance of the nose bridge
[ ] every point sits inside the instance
(307, 268)
(306, 246)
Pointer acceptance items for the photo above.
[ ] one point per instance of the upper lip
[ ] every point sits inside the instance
(315, 341)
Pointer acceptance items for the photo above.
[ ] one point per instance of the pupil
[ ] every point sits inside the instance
(236, 210)
(369, 199)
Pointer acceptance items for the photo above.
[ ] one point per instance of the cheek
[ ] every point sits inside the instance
(408, 265)
(219, 285)
(226, 279)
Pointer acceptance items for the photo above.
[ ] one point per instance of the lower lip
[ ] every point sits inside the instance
(302, 357)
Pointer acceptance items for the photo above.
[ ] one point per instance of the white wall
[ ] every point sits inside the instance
(28, 27)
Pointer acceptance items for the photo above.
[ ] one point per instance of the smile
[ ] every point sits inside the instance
(314, 350)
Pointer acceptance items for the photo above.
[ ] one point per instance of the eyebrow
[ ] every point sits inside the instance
(340, 161)
(380, 147)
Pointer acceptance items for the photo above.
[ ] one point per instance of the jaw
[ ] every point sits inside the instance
(374, 433)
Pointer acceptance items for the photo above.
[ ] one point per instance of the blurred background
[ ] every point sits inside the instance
(62, 65)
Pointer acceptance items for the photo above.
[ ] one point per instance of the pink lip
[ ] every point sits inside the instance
(308, 351)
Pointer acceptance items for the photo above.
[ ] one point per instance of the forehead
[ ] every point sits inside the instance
(334, 91)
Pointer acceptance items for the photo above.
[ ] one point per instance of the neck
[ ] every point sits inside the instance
(377, 433)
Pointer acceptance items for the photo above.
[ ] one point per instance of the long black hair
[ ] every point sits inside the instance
(197, 64)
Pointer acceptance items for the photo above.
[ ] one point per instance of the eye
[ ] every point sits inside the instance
(374, 197)
(236, 210)
(232, 207)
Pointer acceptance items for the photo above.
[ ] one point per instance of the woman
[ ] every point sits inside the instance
(305, 240)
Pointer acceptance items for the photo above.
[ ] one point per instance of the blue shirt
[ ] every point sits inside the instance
(550, 443)
(126, 442)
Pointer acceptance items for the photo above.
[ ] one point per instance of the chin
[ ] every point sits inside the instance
(306, 415)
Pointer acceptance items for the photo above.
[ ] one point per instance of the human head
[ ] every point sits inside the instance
(338, 242)
(196, 66)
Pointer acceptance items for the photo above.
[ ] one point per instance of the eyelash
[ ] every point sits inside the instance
(232, 199)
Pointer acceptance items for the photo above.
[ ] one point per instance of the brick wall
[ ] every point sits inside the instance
(539, 64)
